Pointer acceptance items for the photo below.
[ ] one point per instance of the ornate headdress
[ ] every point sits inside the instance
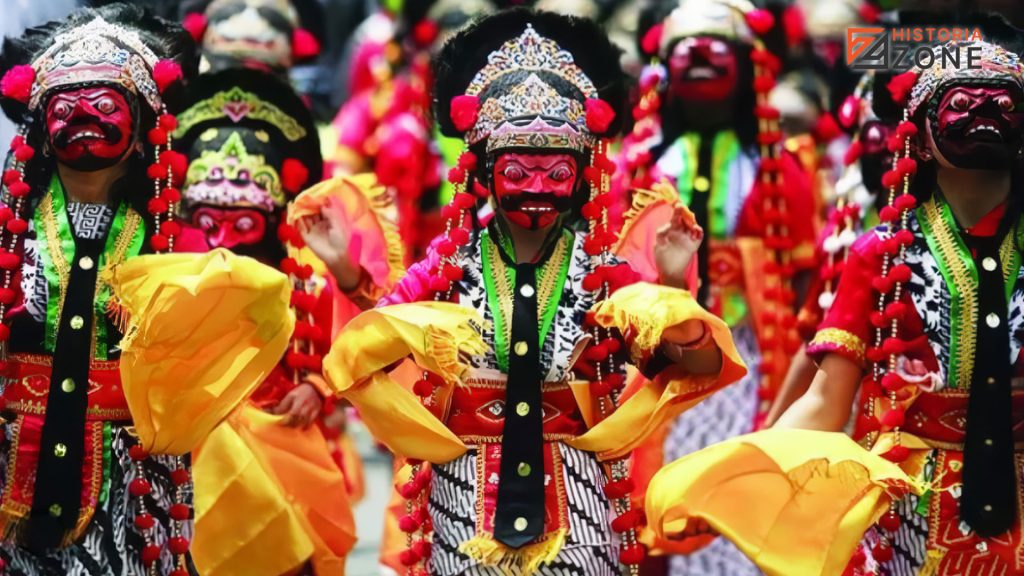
(231, 114)
(118, 45)
(995, 65)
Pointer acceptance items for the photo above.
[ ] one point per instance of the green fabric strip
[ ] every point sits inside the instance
(500, 342)
(724, 151)
(964, 254)
(107, 460)
(103, 294)
(684, 184)
(67, 244)
(556, 294)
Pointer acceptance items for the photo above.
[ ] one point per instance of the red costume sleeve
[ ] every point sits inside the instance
(847, 327)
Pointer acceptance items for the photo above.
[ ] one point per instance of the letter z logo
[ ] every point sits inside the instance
(867, 48)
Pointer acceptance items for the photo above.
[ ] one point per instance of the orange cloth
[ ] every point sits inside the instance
(796, 502)
(277, 492)
(202, 331)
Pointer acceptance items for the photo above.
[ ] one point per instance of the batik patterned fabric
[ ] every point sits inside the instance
(932, 540)
(110, 546)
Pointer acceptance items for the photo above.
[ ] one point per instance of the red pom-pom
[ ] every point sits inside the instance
(5, 333)
(24, 153)
(408, 524)
(139, 487)
(159, 242)
(422, 547)
(17, 83)
(150, 554)
(452, 272)
(9, 260)
(632, 554)
(619, 488)
(459, 235)
(464, 111)
(144, 521)
(294, 175)
(760, 21)
(652, 39)
(425, 32)
(895, 311)
(408, 557)
(156, 171)
(764, 84)
(11, 176)
(599, 115)
(167, 122)
(905, 202)
(900, 273)
(906, 166)
(892, 382)
(19, 189)
(177, 545)
(826, 129)
(467, 161)
(891, 179)
(906, 130)
(904, 237)
(457, 175)
(178, 163)
(171, 228)
(7, 296)
(627, 520)
(766, 112)
(888, 214)
(463, 201)
(137, 452)
(157, 136)
(890, 521)
(304, 44)
(165, 73)
(423, 388)
(180, 476)
(17, 226)
(195, 23)
(881, 552)
(156, 206)
(882, 284)
(893, 346)
(180, 512)
(439, 284)
(900, 85)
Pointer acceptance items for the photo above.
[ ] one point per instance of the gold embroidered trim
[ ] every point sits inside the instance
(837, 337)
(966, 288)
(479, 439)
(56, 249)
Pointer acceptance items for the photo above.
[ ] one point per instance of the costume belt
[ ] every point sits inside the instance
(476, 412)
(940, 419)
(27, 386)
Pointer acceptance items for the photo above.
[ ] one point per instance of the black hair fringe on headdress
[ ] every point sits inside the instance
(466, 53)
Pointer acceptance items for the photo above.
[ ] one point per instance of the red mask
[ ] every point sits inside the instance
(978, 127)
(534, 189)
(230, 228)
(702, 69)
(90, 128)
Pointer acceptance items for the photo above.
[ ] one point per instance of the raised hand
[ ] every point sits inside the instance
(675, 245)
(329, 240)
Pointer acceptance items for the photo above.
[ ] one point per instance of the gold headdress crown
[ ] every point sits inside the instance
(97, 52)
(236, 105)
(532, 112)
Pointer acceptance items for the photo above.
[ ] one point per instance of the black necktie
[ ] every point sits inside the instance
(519, 516)
(988, 503)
